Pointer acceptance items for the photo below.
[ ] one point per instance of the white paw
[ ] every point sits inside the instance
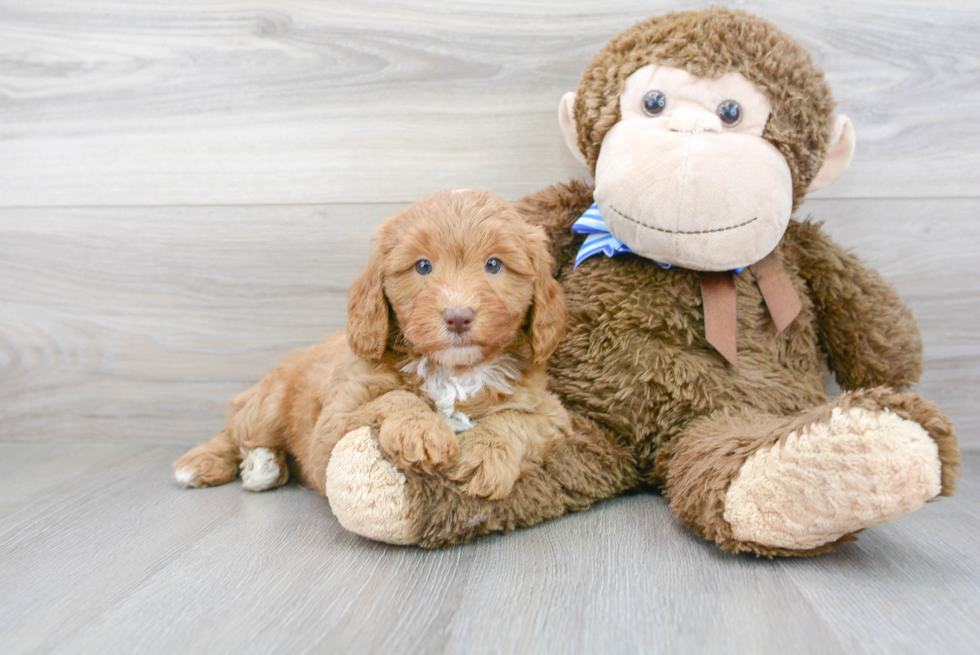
(858, 469)
(366, 492)
(186, 477)
(260, 470)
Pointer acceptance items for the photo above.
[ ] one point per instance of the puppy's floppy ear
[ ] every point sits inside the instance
(367, 309)
(548, 306)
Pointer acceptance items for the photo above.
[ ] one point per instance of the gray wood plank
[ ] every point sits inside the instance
(72, 552)
(233, 102)
(138, 323)
(122, 560)
(627, 577)
(912, 585)
(111, 316)
(29, 473)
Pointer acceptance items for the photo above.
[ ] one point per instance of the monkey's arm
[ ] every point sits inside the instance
(869, 333)
(555, 208)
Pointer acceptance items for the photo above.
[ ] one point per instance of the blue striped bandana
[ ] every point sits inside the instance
(599, 238)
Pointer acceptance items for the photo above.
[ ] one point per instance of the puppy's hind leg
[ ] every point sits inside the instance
(211, 463)
(258, 425)
(251, 434)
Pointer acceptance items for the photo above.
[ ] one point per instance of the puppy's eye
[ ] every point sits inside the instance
(423, 267)
(493, 266)
(654, 103)
(730, 113)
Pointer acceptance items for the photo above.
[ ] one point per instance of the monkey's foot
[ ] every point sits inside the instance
(366, 492)
(854, 469)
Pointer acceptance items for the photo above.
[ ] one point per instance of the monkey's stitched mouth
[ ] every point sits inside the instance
(666, 231)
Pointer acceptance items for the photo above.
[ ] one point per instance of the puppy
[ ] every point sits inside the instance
(449, 327)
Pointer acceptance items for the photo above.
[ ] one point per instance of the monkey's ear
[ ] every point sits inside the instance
(566, 118)
(367, 311)
(839, 155)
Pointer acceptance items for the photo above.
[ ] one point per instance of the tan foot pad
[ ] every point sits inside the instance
(366, 492)
(857, 469)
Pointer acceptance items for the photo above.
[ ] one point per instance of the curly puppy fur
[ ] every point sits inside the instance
(402, 368)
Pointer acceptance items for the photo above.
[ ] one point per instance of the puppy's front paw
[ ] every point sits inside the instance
(419, 440)
(491, 470)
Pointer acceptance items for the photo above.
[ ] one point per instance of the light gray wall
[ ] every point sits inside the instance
(187, 189)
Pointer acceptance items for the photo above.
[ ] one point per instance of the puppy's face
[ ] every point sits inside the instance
(460, 279)
(463, 274)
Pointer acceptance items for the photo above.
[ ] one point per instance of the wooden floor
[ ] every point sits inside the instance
(186, 190)
(100, 552)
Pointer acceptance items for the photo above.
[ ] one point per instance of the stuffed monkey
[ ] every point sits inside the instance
(702, 317)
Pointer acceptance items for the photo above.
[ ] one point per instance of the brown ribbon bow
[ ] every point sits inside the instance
(718, 297)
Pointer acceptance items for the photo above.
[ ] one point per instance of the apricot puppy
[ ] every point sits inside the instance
(449, 327)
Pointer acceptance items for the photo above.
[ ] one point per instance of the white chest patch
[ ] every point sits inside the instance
(446, 389)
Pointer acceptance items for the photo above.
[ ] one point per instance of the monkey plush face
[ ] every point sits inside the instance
(685, 178)
(704, 131)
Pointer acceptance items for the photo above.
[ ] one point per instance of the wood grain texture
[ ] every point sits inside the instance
(231, 102)
(138, 323)
(186, 190)
(115, 558)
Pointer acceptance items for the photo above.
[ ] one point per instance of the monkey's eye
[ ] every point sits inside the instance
(730, 113)
(493, 266)
(423, 267)
(654, 103)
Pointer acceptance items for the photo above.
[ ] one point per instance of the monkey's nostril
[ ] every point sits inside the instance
(458, 320)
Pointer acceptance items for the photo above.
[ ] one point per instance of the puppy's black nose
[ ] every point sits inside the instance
(458, 319)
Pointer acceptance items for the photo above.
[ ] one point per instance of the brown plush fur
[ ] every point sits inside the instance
(651, 401)
(574, 473)
(396, 317)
